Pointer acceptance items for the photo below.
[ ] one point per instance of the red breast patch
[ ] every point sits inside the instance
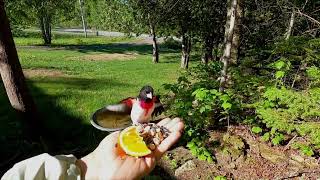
(146, 105)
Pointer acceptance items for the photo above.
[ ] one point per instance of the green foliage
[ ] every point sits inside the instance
(277, 139)
(197, 100)
(199, 150)
(288, 111)
(220, 178)
(304, 148)
(174, 164)
(256, 129)
(266, 136)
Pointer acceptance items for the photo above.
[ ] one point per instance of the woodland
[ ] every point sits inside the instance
(244, 75)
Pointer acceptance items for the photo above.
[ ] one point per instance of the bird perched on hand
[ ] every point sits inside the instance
(144, 106)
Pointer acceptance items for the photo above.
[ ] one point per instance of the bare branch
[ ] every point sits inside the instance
(309, 17)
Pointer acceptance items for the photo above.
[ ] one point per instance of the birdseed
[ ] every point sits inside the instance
(152, 134)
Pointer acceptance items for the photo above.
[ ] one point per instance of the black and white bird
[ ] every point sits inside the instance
(141, 108)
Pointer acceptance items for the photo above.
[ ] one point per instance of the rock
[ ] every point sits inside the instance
(235, 141)
(297, 158)
(271, 155)
(308, 162)
(311, 163)
(188, 166)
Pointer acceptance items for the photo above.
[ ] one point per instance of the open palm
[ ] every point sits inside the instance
(105, 163)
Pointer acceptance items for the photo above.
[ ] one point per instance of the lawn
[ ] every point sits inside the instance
(75, 77)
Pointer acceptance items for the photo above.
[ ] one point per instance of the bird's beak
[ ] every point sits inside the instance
(149, 95)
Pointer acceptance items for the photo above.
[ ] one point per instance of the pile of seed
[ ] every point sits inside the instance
(152, 134)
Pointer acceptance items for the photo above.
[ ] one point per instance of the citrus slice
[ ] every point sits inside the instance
(132, 143)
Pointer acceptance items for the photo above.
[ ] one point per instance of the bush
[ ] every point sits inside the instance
(291, 112)
(281, 94)
(196, 99)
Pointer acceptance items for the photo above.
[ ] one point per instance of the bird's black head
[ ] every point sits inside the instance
(146, 94)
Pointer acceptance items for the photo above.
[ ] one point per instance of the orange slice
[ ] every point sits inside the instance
(132, 143)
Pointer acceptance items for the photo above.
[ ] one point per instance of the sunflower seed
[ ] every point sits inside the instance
(156, 141)
(152, 146)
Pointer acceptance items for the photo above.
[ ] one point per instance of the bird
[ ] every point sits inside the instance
(140, 108)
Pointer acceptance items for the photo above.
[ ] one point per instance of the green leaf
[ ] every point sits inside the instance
(213, 91)
(226, 105)
(280, 74)
(277, 139)
(206, 153)
(256, 129)
(307, 151)
(279, 64)
(191, 144)
(202, 157)
(194, 151)
(265, 137)
(225, 98)
(209, 159)
(220, 178)
(202, 109)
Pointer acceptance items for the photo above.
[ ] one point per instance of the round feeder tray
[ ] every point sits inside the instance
(111, 118)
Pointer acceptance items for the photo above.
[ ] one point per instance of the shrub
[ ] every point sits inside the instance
(291, 112)
(196, 99)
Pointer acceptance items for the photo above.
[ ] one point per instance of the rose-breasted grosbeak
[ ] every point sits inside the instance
(143, 107)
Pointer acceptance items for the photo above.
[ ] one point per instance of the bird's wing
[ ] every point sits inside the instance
(159, 108)
(128, 101)
(125, 105)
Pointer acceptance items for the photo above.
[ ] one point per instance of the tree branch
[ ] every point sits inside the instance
(309, 17)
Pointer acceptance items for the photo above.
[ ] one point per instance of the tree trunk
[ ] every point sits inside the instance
(84, 24)
(155, 50)
(207, 49)
(237, 33)
(14, 81)
(228, 43)
(289, 30)
(45, 26)
(186, 48)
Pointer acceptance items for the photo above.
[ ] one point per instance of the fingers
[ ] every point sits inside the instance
(176, 127)
(164, 122)
(172, 125)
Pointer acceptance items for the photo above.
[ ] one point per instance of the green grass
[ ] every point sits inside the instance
(67, 100)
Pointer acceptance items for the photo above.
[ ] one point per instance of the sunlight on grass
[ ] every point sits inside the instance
(85, 85)
(58, 39)
(68, 88)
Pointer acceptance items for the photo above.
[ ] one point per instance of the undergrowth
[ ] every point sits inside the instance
(276, 92)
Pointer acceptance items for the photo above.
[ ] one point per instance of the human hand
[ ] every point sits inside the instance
(106, 163)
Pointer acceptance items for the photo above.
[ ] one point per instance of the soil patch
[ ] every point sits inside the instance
(43, 73)
(239, 154)
(108, 57)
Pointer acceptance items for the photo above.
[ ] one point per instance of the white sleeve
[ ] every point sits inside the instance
(45, 166)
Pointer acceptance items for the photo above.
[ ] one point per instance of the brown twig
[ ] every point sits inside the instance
(287, 146)
(309, 17)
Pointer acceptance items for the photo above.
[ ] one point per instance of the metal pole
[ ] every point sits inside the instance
(84, 25)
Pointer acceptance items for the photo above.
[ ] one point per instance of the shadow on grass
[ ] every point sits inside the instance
(67, 133)
(143, 49)
(81, 83)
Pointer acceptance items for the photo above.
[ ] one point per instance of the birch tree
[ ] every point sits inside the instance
(231, 21)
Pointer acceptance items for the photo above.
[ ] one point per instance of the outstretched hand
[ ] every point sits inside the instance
(105, 162)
